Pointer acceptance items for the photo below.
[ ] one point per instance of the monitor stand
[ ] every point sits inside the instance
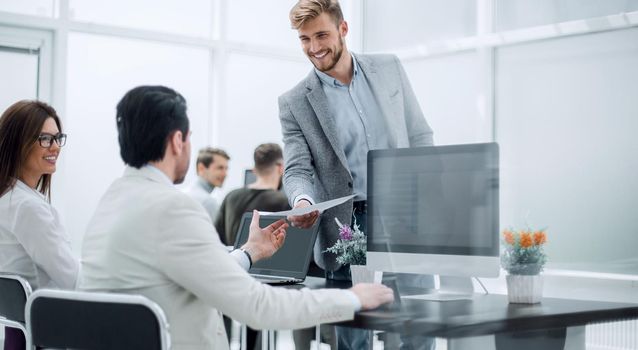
(450, 288)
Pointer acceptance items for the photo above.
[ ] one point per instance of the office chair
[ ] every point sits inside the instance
(95, 321)
(14, 291)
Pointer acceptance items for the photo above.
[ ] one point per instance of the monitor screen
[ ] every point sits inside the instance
(249, 177)
(440, 200)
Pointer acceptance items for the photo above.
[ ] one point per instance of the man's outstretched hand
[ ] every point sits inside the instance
(263, 243)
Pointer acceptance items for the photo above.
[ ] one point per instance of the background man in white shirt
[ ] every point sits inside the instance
(212, 168)
(148, 238)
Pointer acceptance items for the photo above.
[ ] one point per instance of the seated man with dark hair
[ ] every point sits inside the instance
(147, 237)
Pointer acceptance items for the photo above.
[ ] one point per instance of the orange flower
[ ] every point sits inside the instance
(508, 236)
(526, 239)
(539, 237)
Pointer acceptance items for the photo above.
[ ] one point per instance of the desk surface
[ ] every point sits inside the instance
(485, 314)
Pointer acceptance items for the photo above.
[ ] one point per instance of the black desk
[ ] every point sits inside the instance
(545, 325)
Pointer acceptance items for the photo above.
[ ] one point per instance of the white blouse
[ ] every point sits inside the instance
(33, 243)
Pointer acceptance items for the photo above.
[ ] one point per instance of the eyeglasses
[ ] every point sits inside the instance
(46, 140)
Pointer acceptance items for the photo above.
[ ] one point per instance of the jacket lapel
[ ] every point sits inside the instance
(383, 93)
(319, 103)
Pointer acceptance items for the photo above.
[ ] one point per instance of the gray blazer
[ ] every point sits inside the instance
(315, 161)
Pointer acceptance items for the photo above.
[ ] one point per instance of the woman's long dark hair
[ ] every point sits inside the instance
(20, 127)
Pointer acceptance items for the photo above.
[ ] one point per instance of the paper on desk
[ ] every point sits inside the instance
(305, 210)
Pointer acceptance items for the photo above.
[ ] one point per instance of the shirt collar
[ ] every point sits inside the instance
(150, 172)
(330, 81)
(205, 184)
(159, 174)
(27, 188)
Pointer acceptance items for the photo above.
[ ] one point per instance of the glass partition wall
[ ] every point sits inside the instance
(554, 82)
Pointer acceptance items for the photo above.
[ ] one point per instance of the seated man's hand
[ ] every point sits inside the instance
(306, 220)
(372, 295)
(263, 243)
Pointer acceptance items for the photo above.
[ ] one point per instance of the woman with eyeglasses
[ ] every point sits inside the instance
(33, 243)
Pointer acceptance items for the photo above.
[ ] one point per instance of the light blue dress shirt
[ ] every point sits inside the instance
(201, 191)
(360, 123)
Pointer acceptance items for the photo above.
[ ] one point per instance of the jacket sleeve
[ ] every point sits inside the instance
(193, 258)
(42, 236)
(419, 132)
(299, 169)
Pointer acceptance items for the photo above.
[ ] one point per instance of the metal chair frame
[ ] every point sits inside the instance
(26, 288)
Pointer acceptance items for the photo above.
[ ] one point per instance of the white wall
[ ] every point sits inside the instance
(20, 68)
(251, 115)
(561, 106)
(566, 122)
(92, 152)
(449, 90)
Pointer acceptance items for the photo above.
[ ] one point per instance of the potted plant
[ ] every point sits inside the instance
(350, 249)
(524, 258)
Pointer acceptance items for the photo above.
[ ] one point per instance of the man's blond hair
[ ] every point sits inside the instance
(306, 10)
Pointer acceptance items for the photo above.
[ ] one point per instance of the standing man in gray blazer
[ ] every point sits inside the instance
(347, 105)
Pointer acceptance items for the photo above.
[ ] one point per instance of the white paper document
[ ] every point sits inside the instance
(305, 210)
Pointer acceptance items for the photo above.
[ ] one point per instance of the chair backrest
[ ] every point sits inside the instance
(95, 321)
(14, 291)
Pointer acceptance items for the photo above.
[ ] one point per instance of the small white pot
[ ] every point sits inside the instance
(525, 289)
(361, 274)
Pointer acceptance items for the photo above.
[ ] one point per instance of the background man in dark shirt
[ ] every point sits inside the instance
(261, 195)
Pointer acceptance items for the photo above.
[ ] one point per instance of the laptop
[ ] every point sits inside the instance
(289, 264)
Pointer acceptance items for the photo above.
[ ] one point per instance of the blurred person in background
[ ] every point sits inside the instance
(262, 195)
(212, 168)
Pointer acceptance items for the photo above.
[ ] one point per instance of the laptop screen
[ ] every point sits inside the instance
(292, 259)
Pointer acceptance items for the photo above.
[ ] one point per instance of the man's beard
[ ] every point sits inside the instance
(335, 58)
(181, 174)
(179, 180)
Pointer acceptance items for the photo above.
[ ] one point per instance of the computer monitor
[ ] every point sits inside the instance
(249, 177)
(434, 210)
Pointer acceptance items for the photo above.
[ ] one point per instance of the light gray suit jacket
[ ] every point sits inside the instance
(315, 161)
(146, 237)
